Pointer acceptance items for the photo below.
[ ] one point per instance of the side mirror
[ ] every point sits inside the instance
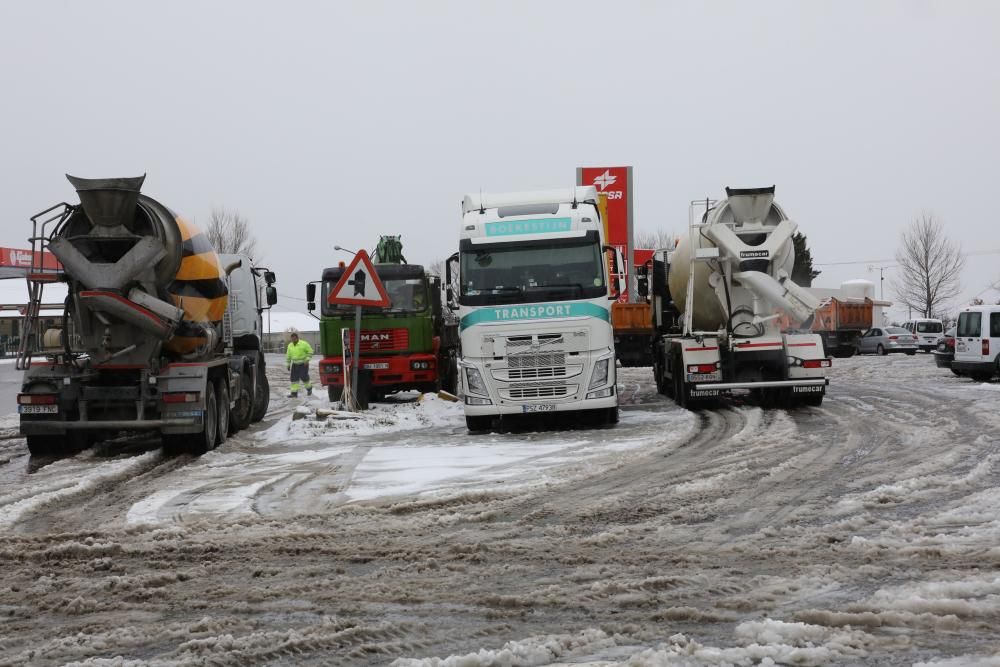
(617, 276)
(269, 277)
(272, 295)
(311, 292)
(450, 274)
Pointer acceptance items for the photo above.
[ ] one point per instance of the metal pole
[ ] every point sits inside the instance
(357, 351)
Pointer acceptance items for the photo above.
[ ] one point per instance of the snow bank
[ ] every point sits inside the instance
(427, 411)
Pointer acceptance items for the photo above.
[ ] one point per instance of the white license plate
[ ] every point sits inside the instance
(701, 377)
(38, 409)
(538, 408)
(376, 367)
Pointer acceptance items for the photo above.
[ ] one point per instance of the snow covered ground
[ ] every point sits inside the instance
(862, 532)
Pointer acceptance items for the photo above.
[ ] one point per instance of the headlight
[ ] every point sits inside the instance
(420, 365)
(603, 393)
(474, 382)
(600, 374)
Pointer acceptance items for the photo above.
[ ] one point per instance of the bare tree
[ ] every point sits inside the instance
(930, 267)
(229, 232)
(655, 240)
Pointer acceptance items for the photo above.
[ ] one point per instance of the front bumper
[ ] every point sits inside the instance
(568, 406)
(395, 370)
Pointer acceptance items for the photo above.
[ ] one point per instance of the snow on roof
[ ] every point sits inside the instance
(282, 320)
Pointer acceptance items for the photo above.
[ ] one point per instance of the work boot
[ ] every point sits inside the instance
(309, 391)
(293, 394)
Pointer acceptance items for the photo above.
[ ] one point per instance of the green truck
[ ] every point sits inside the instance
(412, 344)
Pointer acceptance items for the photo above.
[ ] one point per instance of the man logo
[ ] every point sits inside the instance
(605, 179)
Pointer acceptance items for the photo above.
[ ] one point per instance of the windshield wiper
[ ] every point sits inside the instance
(577, 286)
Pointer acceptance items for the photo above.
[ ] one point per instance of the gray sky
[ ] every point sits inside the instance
(330, 123)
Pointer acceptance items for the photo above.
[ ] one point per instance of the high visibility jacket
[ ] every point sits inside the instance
(299, 353)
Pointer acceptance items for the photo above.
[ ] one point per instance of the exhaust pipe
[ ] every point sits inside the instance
(108, 202)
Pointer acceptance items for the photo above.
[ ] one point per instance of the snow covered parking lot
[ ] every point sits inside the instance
(862, 532)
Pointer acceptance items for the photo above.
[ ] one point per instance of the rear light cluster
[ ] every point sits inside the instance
(702, 368)
(181, 397)
(817, 363)
(36, 399)
(986, 347)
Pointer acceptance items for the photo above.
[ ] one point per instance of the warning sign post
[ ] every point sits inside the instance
(360, 286)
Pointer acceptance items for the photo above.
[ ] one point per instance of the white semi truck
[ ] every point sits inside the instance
(534, 306)
(719, 300)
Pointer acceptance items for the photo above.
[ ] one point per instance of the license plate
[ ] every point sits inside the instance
(701, 377)
(38, 409)
(376, 367)
(538, 408)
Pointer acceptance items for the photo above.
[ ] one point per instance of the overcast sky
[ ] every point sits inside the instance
(332, 123)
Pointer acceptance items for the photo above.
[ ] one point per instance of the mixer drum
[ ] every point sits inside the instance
(131, 260)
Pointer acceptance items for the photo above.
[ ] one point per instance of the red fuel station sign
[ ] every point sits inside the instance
(616, 184)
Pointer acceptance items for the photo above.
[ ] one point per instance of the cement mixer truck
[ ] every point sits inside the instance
(720, 298)
(158, 334)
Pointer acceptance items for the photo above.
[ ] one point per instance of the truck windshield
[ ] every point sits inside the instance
(407, 295)
(554, 271)
(929, 327)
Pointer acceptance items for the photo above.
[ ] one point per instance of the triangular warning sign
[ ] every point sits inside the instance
(360, 285)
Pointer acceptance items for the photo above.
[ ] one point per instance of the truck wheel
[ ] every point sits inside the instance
(612, 416)
(334, 392)
(813, 400)
(239, 416)
(261, 394)
(44, 445)
(222, 396)
(205, 441)
(680, 393)
(449, 378)
(480, 423)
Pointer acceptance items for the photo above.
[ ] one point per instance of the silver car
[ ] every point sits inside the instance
(883, 340)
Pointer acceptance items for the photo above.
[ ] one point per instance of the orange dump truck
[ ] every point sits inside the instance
(840, 323)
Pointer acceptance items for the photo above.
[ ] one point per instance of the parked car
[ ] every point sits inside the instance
(883, 340)
(927, 330)
(977, 343)
(945, 352)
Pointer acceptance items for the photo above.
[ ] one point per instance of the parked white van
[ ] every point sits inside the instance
(928, 331)
(977, 343)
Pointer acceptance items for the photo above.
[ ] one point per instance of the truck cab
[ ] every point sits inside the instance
(534, 306)
(407, 346)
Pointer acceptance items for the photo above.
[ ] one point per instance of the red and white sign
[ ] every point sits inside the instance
(616, 184)
(22, 259)
(360, 285)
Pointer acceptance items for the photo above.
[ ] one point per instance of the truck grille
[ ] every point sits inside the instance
(535, 373)
(536, 360)
(538, 392)
(378, 340)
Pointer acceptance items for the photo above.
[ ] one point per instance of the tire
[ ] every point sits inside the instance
(813, 400)
(240, 415)
(680, 393)
(981, 377)
(479, 423)
(956, 372)
(44, 445)
(199, 443)
(261, 394)
(612, 416)
(222, 398)
(334, 392)
(880, 351)
(449, 380)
